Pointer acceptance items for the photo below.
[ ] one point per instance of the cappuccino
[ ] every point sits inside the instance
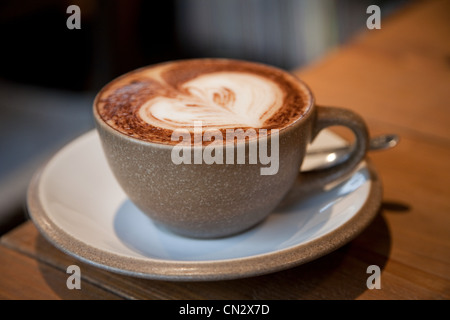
(151, 103)
(220, 179)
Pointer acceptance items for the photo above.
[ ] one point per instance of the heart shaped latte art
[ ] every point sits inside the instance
(219, 100)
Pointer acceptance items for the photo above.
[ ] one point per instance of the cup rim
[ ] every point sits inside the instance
(300, 120)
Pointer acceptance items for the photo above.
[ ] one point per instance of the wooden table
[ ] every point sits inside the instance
(398, 79)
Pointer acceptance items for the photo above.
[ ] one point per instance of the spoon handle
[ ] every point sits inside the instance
(380, 142)
(384, 141)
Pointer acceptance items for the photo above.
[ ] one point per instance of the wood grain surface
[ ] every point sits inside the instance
(398, 79)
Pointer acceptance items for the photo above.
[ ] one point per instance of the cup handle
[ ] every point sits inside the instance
(313, 181)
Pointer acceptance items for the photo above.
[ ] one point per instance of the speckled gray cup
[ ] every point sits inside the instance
(217, 200)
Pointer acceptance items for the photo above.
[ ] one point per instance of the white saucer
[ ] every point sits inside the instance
(78, 206)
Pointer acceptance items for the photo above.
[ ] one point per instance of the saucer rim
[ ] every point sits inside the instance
(205, 270)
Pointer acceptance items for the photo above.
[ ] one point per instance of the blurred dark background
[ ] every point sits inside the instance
(49, 74)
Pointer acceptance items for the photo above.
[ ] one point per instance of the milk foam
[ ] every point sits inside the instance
(152, 102)
(220, 100)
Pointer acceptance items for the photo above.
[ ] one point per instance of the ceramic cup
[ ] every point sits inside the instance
(217, 200)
